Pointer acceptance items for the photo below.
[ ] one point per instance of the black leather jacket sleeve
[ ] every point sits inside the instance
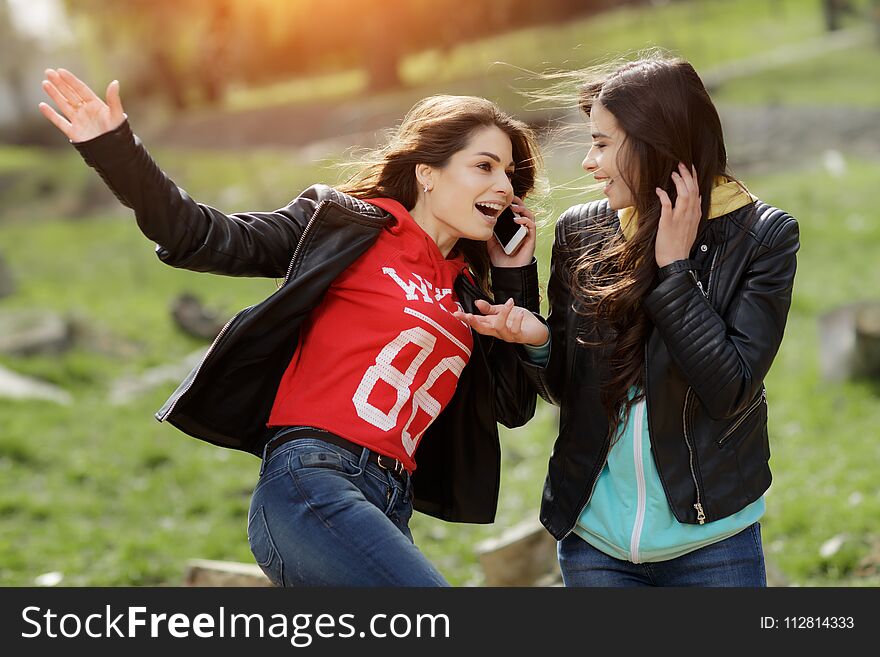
(514, 396)
(725, 359)
(549, 380)
(189, 234)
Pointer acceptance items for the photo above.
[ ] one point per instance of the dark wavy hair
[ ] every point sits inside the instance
(667, 117)
(434, 130)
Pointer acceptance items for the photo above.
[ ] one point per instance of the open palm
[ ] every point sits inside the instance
(83, 114)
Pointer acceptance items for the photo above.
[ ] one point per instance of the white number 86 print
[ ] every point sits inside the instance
(401, 382)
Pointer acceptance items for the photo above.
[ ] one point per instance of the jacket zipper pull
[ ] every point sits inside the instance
(701, 517)
(699, 283)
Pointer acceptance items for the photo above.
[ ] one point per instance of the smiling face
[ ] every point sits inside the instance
(607, 154)
(466, 195)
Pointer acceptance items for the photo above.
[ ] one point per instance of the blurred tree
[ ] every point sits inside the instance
(834, 10)
(191, 50)
(214, 59)
(15, 49)
(875, 18)
(160, 46)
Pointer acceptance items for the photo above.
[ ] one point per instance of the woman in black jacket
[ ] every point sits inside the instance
(358, 359)
(668, 301)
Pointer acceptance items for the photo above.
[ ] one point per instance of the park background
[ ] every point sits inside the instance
(246, 102)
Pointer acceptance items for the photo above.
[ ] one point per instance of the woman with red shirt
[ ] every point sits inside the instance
(362, 355)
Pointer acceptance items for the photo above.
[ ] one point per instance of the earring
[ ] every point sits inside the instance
(426, 188)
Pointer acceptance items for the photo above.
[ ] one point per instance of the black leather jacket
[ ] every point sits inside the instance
(715, 333)
(227, 398)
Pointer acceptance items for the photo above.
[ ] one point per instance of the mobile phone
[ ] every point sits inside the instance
(509, 233)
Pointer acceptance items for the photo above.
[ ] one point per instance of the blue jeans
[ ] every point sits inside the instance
(320, 516)
(735, 561)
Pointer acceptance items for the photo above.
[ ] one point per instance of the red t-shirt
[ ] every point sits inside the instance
(380, 357)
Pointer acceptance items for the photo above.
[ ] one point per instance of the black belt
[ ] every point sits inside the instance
(392, 465)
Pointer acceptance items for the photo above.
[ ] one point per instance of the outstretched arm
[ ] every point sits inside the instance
(188, 234)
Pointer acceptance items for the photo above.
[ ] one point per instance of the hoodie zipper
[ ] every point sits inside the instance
(742, 418)
(226, 326)
(641, 502)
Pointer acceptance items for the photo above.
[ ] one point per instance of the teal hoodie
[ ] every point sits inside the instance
(628, 516)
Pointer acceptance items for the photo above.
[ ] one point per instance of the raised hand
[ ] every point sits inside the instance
(678, 225)
(523, 255)
(506, 322)
(83, 115)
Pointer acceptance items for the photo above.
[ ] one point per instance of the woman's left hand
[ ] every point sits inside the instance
(84, 115)
(526, 251)
(506, 322)
(678, 225)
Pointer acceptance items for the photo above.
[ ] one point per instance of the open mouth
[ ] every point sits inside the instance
(608, 182)
(489, 209)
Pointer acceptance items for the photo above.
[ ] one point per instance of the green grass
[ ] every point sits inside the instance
(815, 81)
(38, 184)
(708, 33)
(107, 496)
(824, 437)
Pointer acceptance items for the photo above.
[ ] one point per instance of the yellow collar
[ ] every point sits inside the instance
(727, 196)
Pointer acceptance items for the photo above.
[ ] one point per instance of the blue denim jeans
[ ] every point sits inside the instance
(320, 516)
(735, 561)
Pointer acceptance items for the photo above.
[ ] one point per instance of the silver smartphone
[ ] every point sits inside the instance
(509, 233)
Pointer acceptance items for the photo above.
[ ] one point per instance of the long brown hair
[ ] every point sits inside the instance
(667, 117)
(432, 132)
